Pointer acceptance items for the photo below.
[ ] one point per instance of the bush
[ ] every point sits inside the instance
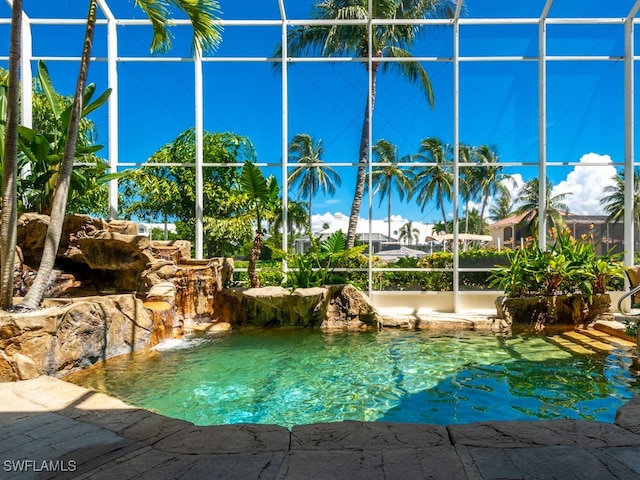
(569, 266)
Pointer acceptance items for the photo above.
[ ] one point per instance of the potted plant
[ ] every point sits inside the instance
(566, 283)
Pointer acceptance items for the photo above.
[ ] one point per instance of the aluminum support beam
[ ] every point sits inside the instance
(542, 125)
(629, 136)
(456, 155)
(199, 126)
(285, 135)
(370, 149)
(112, 119)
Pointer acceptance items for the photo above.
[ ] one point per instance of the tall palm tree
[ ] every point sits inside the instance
(435, 180)
(502, 207)
(613, 202)
(385, 179)
(311, 176)
(489, 176)
(388, 41)
(206, 35)
(530, 198)
(409, 233)
(9, 218)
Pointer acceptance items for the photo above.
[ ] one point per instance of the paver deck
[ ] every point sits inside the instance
(53, 429)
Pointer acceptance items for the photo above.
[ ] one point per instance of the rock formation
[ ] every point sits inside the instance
(117, 292)
(68, 335)
(336, 307)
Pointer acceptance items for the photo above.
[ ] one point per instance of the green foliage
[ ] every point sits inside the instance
(269, 273)
(317, 267)
(262, 193)
(42, 148)
(156, 192)
(568, 266)
(631, 327)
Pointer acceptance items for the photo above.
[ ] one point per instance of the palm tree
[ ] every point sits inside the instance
(202, 15)
(468, 180)
(530, 198)
(390, 177)
(435, 180)
(614, 200)
(489, 176)
(409, 233)
(502, 207)
(262, 194)
(9, 218)
(394, 41)
(297, 216)
(310, 175)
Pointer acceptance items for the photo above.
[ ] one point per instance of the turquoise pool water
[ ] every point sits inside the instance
(294, 377)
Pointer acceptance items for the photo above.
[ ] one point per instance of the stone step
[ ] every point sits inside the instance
(570, 346)
(589, 342)
(605, 337)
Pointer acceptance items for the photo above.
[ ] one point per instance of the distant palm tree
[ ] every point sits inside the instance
(613, 202)
(435, 180)
(502, 207)
(409, 233)
(310, 176)
(468, 181)
(489, 176)
(385, 179)
(297, 216)
(393, 40)
(530, 198)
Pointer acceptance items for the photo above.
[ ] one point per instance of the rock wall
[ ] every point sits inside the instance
(69, 335)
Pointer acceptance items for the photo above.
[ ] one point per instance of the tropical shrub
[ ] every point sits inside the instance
(269, 273)
(569, 266)
(318, 266)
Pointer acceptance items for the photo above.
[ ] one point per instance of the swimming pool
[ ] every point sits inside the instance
(295, 377)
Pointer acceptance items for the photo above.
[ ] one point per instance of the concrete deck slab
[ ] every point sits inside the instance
(53, 429)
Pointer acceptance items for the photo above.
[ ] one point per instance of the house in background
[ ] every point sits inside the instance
(379, 235)
(510, 232)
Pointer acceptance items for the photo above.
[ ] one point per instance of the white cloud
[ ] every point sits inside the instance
(586, 184)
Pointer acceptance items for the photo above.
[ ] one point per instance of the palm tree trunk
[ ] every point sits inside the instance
(362, 167)
(485, 200)
(444, 214)
(10, 164)
(253, 260)
(34, 297)
(389, 210)
(310, 208)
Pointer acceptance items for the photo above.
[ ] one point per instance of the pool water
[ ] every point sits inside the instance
(294, 377)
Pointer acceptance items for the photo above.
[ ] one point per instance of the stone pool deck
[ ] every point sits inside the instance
(53, 429)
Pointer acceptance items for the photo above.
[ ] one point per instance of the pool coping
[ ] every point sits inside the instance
(86, 434)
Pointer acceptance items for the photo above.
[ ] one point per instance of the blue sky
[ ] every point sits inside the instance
(498, 100)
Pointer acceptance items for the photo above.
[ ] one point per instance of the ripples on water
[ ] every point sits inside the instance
(293, 377)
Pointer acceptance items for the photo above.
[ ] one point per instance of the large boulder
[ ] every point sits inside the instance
(336, 307)
(68, 336)
(32, 231)
(348, 309)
